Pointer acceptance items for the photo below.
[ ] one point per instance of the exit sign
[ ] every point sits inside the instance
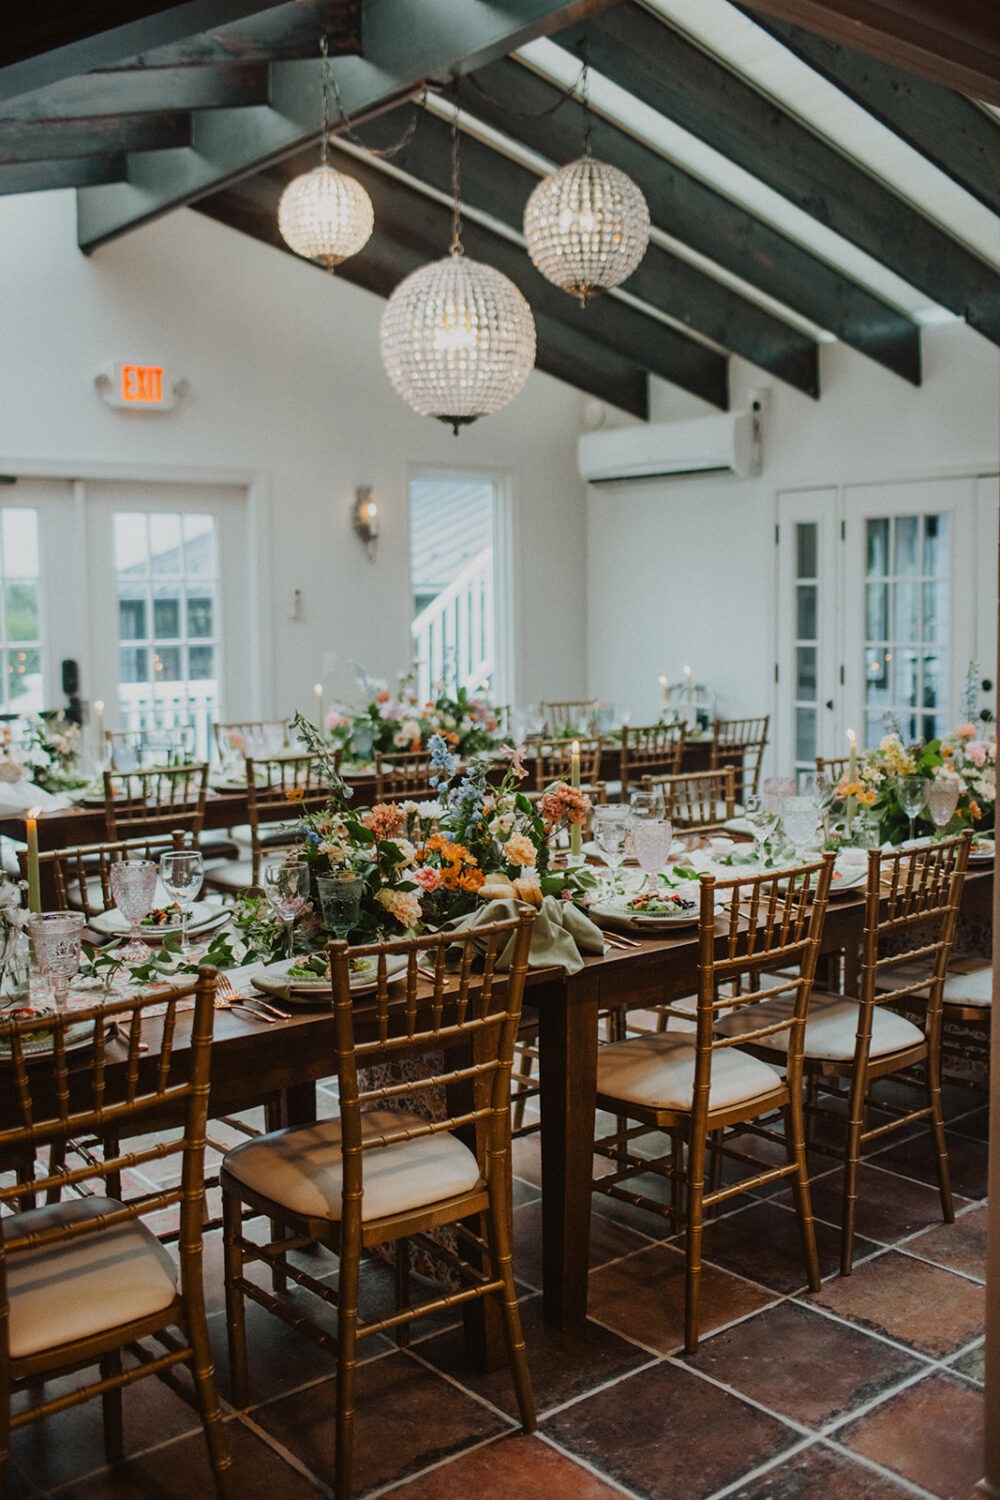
(135, 387)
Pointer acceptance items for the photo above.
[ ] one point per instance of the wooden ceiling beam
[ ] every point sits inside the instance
(954, 43)
(561, 352)
(521, 104)
(135, 91)
(108, 136)
(952, 132)
(404, 45)
(660, 66)
(46, 176)
(500, 187)
(42, 44)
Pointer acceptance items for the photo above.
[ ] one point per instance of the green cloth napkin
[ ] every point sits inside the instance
(559, 934)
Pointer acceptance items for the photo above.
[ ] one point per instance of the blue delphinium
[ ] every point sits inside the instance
(442, 761)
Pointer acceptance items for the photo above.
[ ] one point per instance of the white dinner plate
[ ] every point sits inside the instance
(273, 979)
(848, 879)
(982, 852)
(74, 1036)
(204, 915)
(617, 910)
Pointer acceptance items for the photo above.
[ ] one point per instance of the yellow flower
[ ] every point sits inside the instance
(519, 850)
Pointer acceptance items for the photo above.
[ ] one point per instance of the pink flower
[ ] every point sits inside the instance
(406, 908)
(385, 820)
(383, 696)
(427, 877)
(515, 754)
(976, 751)
(965, 732)
(335, 718)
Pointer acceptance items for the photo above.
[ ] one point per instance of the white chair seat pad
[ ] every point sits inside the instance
(831, 1027)
(658, 1072)
(64, 1292)
(301, 1167)
(230, 874)
(269, 834)
(969, 989)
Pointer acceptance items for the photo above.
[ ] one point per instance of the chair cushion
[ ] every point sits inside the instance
(831, 1027)
(658, 1072)
(230, 875)
(276, 835)
(969, 989)
(69, 1291)
(301, 1167)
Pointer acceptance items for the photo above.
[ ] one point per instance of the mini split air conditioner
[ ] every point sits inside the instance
(726, 444)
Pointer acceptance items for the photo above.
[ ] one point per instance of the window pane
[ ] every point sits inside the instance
(906, 618)
(877, 611)
(131, 549)
(131, 620)
(935, 612)
(936, 545)
(201, 663)
(22, 612)
(877, 547)
(133, 664)
(806, 615)
(165, 545)
(805, 734)
(935, 688)
(807, 550)
(805, 672)
(24, 677)
(874, 729)
(167, 663)
(167, 618)
(200, 613)
(906, 551)
(876, 677)
(199, 546)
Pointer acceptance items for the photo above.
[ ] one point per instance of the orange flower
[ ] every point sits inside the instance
(471, 880)
(295, 793)
(947, 752)
(452, 738)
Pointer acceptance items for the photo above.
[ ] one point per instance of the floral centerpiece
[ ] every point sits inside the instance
(962, 755)
(400, 721)
(13, 942)
(50, 754)
(424, 863)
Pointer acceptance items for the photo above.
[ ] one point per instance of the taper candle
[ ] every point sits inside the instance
(34, 877)
(689, 680)
(852, 774)
(575, 835)
(318, 690)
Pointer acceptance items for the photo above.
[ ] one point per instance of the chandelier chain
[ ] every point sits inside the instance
(565, 95)
(585, 96)
(386, 153)
(455, 247)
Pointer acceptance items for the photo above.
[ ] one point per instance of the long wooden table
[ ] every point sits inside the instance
(251, 1061)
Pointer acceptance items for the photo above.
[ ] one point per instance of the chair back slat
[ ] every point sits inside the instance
(833, 766)
(552, 760)
(404, 775)
(157, 800)
(746, 738)
(282, 788)
(650, 750)
(697, 801)
(81, 876)
(568, 716)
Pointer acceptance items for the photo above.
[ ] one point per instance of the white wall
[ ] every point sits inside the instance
(682, 571)
(287, 389)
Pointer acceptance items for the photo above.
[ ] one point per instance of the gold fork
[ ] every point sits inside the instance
(228, 998)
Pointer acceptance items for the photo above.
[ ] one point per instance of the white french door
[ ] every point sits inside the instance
(881, 607)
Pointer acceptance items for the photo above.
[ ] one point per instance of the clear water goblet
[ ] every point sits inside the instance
(55, 941)
(651, 840)
(911, 791)
(646, 804)
(133, 885)
(340, 900)
(181, 873)
(286, 883)
(942, 798)
(611, 825)
(799, 817)
(763, 821)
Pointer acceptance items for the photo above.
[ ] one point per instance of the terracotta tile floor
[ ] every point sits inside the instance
(871, 1390)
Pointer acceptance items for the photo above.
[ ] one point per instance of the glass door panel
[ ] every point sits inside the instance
(807, 605)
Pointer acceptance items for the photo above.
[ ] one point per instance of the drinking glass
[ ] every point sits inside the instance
(799, 818)
(55, 940)
(646, 804)
(763, 821)
(182, 872)
(911, 792)
(611, 825)
(942, 799)
(287, 885)
(776, 789)
(133, 885)
(651, 840)
(340, 898)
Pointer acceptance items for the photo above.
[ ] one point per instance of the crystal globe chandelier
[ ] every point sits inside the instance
(324, 215)
(586, 225)
(457, 337)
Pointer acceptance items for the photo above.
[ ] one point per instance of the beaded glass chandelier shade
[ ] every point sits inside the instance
(325, 216)
(587, 227)
(458, 340)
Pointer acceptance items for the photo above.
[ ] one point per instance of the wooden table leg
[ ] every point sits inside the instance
(567, 1045)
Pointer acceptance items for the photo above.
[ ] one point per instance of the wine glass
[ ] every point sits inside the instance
(646, 804)
(776, 789)
(182, 872)
(611, 824)
(133, 885)
(942, 799)
(763, 820)
(287, 885)
(910, 791)
(651, 840)
(55, 939)
(340, 898)
(799, 818)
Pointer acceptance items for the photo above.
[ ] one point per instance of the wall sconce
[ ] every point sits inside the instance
(365, 517)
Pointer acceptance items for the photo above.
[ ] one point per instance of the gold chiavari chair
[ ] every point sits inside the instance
(569, 717)
(83, 1278)
(155, 801)
(141, 749)
(833, 766)
(745, 738)
(552, 760)
(246, 736)
(404, 776)
(81, 876)
(697, 801)
(375, 1175)
(649, 750)
(279, 790)
(691, 1086)
(911, 905)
